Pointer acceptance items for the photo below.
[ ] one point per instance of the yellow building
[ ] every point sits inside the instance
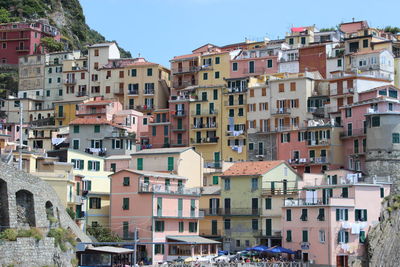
(206, 125)
(96, 186)
(212, 224)
(65, 111)
(300, 36)
(397, 72)
(251, 195)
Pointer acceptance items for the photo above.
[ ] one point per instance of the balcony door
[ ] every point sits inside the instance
(254, 206)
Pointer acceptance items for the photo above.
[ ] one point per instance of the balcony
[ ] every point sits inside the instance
(213, 211)
(70, 81)
(192, 215)
(181, 129)
(240, 133)
(258, 152)
(316, 111)
(382, 110)
(280, 191)
(204, 141)
(206, 67)
(149, 91)
(185, 70)
(167, 189)
(91, 111)
(82, 93)
(22, 49)
(234, 90)
(321, 142)
(133, 92)
(183, 84)
(353, 133)
(255, 71)
(235, 103)
(178, 143)
(280, 111)
(60, 115)
(213, 164)
(211, 233)
(331, 201)
(144, 107)
(240, 212)
(178, 113)
(264, 233)
(204, 126)
(205, 113)
(159, 122)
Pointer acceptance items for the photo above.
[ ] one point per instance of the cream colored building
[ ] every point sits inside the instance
(31, 76)
(183, 161)
(96, 186)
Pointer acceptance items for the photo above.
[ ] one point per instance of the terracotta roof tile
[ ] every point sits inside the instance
(251, 167)
(186, 56)
(351, 27)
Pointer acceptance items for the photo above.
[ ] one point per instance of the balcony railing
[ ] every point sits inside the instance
(265, 233)
(22, 49)
(235, 90)
(185, 69)
(91, 112)
(211, 233)
(60, 115)
(205, 112)
(382, 110)
(178, 143)
(305, 161)
(70, 81)
(334, 201)
(257, 70)
(354, 132)
(167, 189)
(176, 129)
(208, 140)
(240, 212)
(213, 164)
(133, 92)
(280, 111)
(83, 93)
(280, 191)
(321, 142)
(235, 103)
(205, 126)
(179, 113)
(149, 91)
(192, 215)
(184, 84)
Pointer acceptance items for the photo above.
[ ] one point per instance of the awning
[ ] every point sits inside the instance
(111, 250)
(193, 239)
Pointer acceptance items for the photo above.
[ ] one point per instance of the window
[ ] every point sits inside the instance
(251, 146)
(365, 43)
(94, 203)
(133, 72)
(227, 224)
(231, 113)
(76, 128)
(303, 40)
(227, 184)
(217, 60)
(165, 130)
(126, 181)
(205, 76)
(240, 112)
(215, 94)
(192, 227)
(234, 66)
(140, 164)
(321, 235)
(238, 243)
(149, 72)
(304, 214)
(305, 236)
(254, 184)
(97, 128)
(321, 214)
(360, 215)
(382, 192)
(93, 165)
(395, 138)
(339, 62)
(170, 163)
(215, 180)
(345, 192)
(288, 215)
(281, 87)
(216, 75)
(78, 164)
(348, 112)
(75, 144)
(376, 121)
(159, 249)
(362, 237)
(153, 130)
(269, 63)
(125, 203)
(159, 226)
(291, 41)
(181, 227)
(268, 204)
(343, 236)
(288, 235)
(254, 224)
(342, 214)
(96, 52)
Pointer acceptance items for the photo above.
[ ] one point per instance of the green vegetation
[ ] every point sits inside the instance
(327, 29)
(5, 16)
(62, 237)
(391, 29)
(76, 33)
(71, 213)
(12, 234)
(51, 45)
(103, 234)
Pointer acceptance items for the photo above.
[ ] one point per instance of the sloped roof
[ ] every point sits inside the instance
(169, 150)
(153, 174)
(355, 26)
(194, 239)
(251, 167)
(186, 56)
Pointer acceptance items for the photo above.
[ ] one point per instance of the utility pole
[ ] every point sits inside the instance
(135, 247)
(20, 136)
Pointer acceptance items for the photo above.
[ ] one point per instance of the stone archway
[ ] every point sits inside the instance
(25, 209)
(4, 210)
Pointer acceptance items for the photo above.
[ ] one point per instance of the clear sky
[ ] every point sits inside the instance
(161, 29)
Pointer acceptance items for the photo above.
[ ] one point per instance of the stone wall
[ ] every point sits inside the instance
(269, 141)
(23, 202)
(27, 252)
(383, 240)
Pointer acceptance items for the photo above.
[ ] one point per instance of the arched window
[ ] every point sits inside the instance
(25, 208)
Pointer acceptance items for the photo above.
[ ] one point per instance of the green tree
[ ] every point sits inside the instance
(391, 29)
(4, 16)
(51, 45)
(103, 234)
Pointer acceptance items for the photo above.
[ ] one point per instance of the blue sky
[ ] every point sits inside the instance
(161, 29)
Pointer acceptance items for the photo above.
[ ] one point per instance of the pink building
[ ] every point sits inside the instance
(354, 136)
(329, 223)
(254, 62)
(162, 210)
(23, 38)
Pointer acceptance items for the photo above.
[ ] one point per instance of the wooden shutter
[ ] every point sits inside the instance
(297, 102)
(349, 100)
(260, 125)
(286, 121)
(266, 106)
(293, 86)
(263, 91)
(277, 103)
(251, 92)
(281, 87)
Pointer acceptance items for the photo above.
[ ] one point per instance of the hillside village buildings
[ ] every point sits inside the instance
(275, 142)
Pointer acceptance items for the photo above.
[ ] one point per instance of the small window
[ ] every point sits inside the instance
(217, 60)
(234, 66)
(97, 128)
(159, 226)
(288, 215)
(125, 203)
(76, 128)
(205, 76)
(126, 181)
(149, 72)
(269, 63)
(376, 121)
(133, 72)
(215, 180)
(217, 75)
(365, 43)
(339, 62)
